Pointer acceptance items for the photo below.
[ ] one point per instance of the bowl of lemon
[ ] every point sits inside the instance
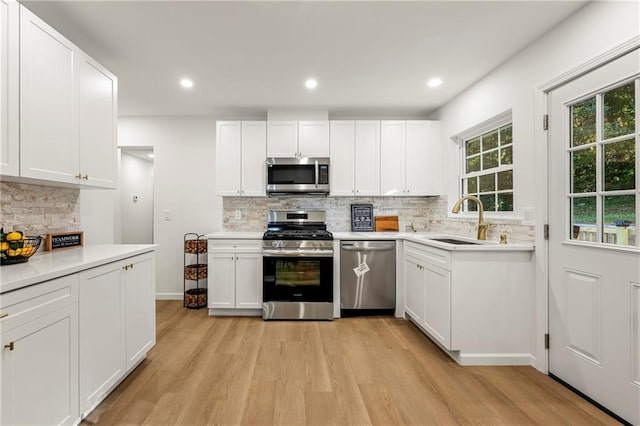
(15, 247)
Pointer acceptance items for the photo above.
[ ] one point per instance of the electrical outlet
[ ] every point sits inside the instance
(167, 215)
(238, 214)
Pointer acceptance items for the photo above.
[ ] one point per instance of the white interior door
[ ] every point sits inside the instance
(594, 255)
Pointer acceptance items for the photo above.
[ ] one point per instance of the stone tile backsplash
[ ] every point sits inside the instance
(427, 214)
(39, 209)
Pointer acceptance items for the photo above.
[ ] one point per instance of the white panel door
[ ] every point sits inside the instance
(313, 139)
(422, 158)
(228, 158)
(48, 102)
(367, 158)
(254, 157)
(140, 311)
(594, 261)
(248, 281)
(392, 154)
(40, 374)
(342, 137)
(414, 288)
(282, 139)
(9, 124)
(222, 280)
(102, 345)
(98, 116)
(437, 319)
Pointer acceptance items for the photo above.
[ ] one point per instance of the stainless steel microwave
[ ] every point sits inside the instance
(297, 176)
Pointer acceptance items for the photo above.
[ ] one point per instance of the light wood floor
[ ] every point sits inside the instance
(355, 371)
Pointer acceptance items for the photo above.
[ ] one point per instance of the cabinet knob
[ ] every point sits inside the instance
(6, 314)
(78, 176)
(125, 267)
(357, 191)
(85, 177)
(10, 346)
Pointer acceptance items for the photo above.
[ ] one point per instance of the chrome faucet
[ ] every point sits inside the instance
(482, 227)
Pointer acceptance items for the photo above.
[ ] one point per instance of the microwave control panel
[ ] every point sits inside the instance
(323, 174)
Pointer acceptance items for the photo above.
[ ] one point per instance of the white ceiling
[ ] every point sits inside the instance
(370, 58)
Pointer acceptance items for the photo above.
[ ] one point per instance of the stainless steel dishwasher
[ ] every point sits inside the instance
(367, 278)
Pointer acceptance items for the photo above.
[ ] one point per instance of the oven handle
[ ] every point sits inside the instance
(297, 253)
(317, 174)
(377, 247)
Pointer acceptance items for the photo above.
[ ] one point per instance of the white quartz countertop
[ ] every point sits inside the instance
(233, 235)
(45, 266)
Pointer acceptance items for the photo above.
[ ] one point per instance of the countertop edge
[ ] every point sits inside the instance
(95, 256)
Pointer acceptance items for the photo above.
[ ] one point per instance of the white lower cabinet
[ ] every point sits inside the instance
(235, 274)
(414, 286)
(117, 324)
(39, 367)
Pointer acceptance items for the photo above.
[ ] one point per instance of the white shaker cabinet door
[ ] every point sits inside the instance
(392, 154)
(222, 280)
(282, 139)
(140, 307)
(422, 159)
(313, 139)
(437, 319)
(414, 288)
(228, 157)
(248, 281)
(48, 103)
(342, 137)
(254, 155)
(367, 158)
(98, 117)
(40, 370)
(102, 343)
(9, 124)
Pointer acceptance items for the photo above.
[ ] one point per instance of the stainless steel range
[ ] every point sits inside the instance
(297, 266)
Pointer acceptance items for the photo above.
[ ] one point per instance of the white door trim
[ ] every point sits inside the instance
(541, 196)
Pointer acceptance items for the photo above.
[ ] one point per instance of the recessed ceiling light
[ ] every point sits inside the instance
(311, 83)
(150, 155)
(434, 82)
(186, 83)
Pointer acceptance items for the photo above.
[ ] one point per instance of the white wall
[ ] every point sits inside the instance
(184, 183)
(593, 30)
(98, 215)
(136, 180)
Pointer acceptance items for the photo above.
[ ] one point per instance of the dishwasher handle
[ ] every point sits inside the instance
(378, 246)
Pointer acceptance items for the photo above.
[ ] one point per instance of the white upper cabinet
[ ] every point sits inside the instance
(297, 139)
(98, 111)
(9, 142)
(410, 158)
(313, 139)
(49, 141)
(282, 139)
(240, 158)
(355, 158)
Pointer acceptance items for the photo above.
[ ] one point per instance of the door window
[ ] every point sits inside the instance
(603, 194)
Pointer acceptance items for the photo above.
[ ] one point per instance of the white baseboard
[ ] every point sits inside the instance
(492, 359)
(169, 296)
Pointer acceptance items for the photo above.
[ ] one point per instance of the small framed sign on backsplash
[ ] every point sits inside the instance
(362, 217)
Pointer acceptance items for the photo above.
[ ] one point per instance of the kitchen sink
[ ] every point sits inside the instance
(454, 241)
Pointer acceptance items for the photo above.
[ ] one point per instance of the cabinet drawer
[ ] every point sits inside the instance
(30, 303)
(222, 246)
(434, 256)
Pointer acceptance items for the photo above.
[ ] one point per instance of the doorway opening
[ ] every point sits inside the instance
(135, 200)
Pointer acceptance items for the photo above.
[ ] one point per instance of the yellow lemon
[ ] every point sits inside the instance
(14, 236)
(4, 245)
(13, 253)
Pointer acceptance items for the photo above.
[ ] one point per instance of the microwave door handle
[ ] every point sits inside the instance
(317, 174)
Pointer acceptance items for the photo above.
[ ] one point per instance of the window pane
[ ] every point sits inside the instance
(473, 146)
(583, 219)
(490, 140)
(506, 136)
(620, 165)
(619, 111)
(583, 119)
(472, 206)
(472, 185)
(488, 182)
(506, 155)
(490, 160)
(473, 164)
(488, 202)
(505, 180)
(505, 202)
(619, 220)
(583, 169)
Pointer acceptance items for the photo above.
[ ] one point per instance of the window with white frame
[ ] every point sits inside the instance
(488, 169)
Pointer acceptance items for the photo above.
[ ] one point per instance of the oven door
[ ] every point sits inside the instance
(297, 279)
